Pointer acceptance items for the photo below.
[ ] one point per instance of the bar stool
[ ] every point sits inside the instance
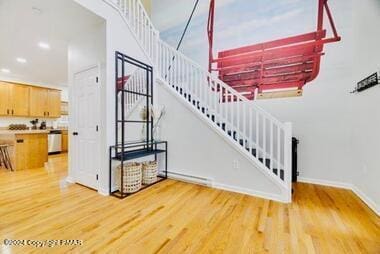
(4, 157)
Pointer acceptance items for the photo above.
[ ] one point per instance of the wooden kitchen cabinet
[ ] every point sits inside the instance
(54, 103)
(65, 141)
(29, 101)
(4, 94)
(20, 100)
(28, 150)
(14, 99)
(38, 102)
(45, 102)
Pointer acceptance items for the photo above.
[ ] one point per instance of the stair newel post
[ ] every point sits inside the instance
(288, 160)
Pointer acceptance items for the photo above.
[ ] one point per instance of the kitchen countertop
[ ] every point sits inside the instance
(15, 132)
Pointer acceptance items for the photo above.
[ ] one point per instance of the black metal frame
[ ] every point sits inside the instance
(122, 60)
(124, 151)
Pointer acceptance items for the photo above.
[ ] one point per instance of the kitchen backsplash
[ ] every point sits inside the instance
(60, 122)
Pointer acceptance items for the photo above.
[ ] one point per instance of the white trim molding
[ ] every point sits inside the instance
(210, 183)
(250, 192)
(369, 202)
(104, 192)
(335, 184)
(70, 179)
(348, 186)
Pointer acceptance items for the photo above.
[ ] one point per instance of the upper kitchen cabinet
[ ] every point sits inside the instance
(54, 103)
(38, 102)
(29, 101)
(20, 98)
(4, 94)
(14, 99)
(45, 102)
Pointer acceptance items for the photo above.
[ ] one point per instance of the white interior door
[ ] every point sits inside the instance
(85, 133)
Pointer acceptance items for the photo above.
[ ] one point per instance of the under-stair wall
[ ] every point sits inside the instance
(199, 153)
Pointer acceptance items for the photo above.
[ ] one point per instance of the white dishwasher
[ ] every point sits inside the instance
(55, 141)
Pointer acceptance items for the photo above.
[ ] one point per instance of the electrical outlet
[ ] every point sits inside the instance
(236, 164)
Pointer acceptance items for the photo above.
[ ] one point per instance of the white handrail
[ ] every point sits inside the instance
(136, 85)
(256, 131)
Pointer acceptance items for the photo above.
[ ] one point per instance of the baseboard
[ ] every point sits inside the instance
(369, 202)
(335, 184)
(69, 179)
(103, 192)
(250, 192)
(208, 182)
(191, 179)
(348, 186)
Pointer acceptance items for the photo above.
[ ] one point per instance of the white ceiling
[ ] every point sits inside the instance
(25, 23)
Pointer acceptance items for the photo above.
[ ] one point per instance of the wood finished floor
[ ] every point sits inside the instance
(176, 217)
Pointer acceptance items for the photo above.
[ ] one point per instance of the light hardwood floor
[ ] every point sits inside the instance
(176, 217)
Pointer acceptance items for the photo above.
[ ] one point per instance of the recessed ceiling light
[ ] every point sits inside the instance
(5, 70)
(44, 45)
(21, 60)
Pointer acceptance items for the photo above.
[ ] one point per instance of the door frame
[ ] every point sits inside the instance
(73, 123)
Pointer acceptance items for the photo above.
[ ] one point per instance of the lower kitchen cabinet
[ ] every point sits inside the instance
(65, 141)
(27, 151)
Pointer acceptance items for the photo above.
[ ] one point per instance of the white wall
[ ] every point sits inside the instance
(365, 113)
(338, 131)
(118, 38)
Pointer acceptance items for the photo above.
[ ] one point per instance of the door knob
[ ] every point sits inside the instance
(75, 133)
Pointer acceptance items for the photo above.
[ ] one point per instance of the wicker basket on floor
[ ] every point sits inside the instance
(149, 172)
(131, 177)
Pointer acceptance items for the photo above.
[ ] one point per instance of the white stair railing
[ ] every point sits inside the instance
(135, 85)
(258, 133)
(138, 20)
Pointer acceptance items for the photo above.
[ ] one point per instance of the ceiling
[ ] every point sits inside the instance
(24, 24)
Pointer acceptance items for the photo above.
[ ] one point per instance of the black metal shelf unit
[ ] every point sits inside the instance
(134, 150)
(128, 150)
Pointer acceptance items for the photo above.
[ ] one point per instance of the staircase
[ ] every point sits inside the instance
(259, 136)
(135, 84)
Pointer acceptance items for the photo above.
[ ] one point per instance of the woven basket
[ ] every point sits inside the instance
(131, 177)
(149, 172)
